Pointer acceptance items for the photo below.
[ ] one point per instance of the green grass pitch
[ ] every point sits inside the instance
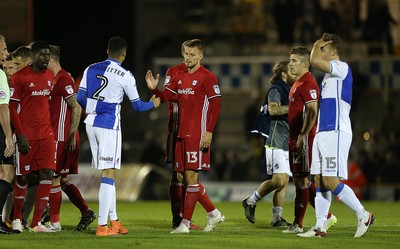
(149, 225)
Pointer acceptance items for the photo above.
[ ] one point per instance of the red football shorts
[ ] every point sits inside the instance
(66, 161)
(41, 156)
(189, 156)
(300, 163)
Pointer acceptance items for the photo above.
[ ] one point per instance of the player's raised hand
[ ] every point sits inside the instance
(156, 101)
(151, 81)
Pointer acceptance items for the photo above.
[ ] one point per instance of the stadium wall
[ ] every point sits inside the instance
(252, 72)
(149, 182)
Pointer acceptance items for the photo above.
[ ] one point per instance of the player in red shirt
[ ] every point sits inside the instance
(30, 115)
(175, 185)
(177, 190)
(199, 103)
(302, 114)
(65, 115)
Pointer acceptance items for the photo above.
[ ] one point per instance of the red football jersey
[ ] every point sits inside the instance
(172, 103)
(63, 89)
(303, 91)
(32, 89)
(194, 91)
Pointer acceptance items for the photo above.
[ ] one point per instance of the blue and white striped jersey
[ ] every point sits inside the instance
(335, 102)
(105, 84)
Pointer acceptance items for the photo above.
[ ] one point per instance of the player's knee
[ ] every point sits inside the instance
(64, 180)
(278, 183)
(46, 174)
(23, 180)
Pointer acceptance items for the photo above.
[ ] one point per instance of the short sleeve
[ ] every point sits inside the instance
(4, 89)
(274, 96)
(130, 89)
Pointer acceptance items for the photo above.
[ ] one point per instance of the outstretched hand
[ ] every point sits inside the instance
(156, 101)
(151, 81)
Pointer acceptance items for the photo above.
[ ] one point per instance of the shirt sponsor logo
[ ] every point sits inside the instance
(313, 94)
(3, 94)
(216, 89)
(186, 91)
(44, 92)
(69, 89)
(107, 158)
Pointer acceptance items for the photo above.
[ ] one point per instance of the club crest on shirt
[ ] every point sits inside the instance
(49, 82)
(313, 94)
(167, 80)
(11, 92)
(69, 89)
(3, 94)
(216, 89)
(194, 82)
(179, 82)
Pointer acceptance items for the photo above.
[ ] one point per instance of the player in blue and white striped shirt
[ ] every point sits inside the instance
(103, 87)
(334, 135)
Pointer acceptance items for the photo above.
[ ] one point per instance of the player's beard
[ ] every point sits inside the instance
(190, 65)
(44, 65)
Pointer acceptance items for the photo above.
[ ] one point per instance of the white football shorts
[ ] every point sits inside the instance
(105, 145)
(330, 154)
(277, 161)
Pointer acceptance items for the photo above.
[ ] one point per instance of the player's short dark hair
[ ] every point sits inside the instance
(336, 41)
(23, 52)
(55, 52)
(38, 45)
(195, 43)
(279, 68)
(300, 50)
(117, 46)
(303, 52)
